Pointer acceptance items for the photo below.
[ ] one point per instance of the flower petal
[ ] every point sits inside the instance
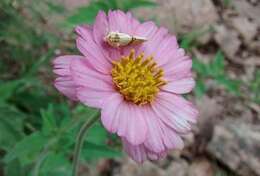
(182, 108)
(92, 97)
(182, 86)
(179, 70)
(137, 153)
(100, 27)
(110, 112)
(154, 140)
(66, 86)
(146, 29)
(140, 153)
(85, 76)
(64, 83)
(177, 123)
(132, 125)
(94, 53)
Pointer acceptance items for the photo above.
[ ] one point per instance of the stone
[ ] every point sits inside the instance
(178, 168)
(246, 28)
(228, 40)
(244, 8)
(182, 16)
(130, 168)
(237, 145)
(201, 167)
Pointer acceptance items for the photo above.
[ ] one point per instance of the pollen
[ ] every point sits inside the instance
(137, 78)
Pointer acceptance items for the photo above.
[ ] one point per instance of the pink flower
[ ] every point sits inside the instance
(137, 87)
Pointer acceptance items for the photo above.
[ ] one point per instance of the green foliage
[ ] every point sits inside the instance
(87, 14)
(189, 40)
(254, 87)
(216, 71)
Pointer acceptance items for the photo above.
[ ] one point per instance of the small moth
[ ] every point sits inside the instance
(117, 39)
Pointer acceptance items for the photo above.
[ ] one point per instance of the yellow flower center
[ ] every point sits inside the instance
(137, 78)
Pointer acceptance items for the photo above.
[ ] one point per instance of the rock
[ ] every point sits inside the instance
(201, 167)
(130, 168)
(178, 168)
(237, 145)
(246, 28)
(228, 40)
(181, 16)
(208, 114)
(243, 8)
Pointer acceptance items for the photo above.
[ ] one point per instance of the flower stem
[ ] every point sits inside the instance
(80, 140)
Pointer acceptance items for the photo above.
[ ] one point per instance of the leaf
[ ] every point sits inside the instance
(55, 7)
(49, 123)
(11, 126)
(92, 151)
(97, 134)
(199, 67)
(232, 86)
(55, 164)
(14, 169)
(217, 66)
(7, 89)
(87, 14)
(132, 4)
(27, 150)
(200, 88)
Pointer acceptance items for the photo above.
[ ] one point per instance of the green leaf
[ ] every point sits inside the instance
(132, 4)
(217, 66)
(27, 150)
(55, 7)
(92, 151)
(200, 67)
(7, 89)
(49, 123)
(232, 86)
(97, 134)
(55, 164)
(11, 126)
(87, 14)
(14, 169)
(200, 88)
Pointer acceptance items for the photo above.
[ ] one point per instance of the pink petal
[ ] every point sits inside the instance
(132, 23)
(92, 97)
(154, 140)
(181, 86)
(180, 125)
(64, 83)
(94, 53)
(151, 46)
(66, 86)
(131, 124)
(156, 156)
(137, 153)
(110, 112)
(167, 50)
(85, 76)
(140, 153)
(178, 105)
(178, 71)
(170, 138)
(147, 30)
(137, 128)
(100, 27)
(118, 21)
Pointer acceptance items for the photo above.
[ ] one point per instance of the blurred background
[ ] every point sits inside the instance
(38, 125)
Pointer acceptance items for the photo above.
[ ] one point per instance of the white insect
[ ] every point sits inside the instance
(117, 39)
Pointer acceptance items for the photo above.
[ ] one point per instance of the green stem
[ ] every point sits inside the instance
(80, 140)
